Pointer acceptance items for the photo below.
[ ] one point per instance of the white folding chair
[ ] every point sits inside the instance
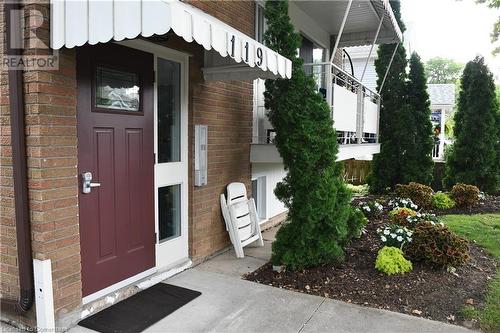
(241, 219)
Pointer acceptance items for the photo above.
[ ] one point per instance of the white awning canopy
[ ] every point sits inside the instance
(231, 55)
(362, 21)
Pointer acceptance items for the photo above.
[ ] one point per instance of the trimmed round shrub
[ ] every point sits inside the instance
(465, 195)
(390, 260)
(442, 200)
(420, 194)
(400, 215)
(436, 244)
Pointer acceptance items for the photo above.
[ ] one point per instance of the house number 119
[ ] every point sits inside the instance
(260, 53)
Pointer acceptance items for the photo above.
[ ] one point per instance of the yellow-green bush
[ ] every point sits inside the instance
(442, 200)
(390, 260)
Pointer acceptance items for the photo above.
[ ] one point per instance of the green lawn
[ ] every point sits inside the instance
(485, 231)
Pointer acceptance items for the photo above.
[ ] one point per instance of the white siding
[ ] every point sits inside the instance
(274, 173)
(370, 79)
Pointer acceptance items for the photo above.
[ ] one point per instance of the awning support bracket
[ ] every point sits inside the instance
(371, 48)
(341, 30)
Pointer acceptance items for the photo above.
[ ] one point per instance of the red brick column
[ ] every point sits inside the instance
(50, 116)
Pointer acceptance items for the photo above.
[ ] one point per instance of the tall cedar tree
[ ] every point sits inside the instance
(416, 162)
(475, 155)
(386, 168)
(318, 224)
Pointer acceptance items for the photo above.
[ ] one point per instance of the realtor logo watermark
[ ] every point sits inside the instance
(25, 49)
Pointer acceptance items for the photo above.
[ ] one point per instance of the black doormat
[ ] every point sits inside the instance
(140, 311)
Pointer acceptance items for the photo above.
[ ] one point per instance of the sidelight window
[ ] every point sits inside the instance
(169, 212)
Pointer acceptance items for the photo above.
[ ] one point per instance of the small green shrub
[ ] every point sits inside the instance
(400, 215)
(420, 194)
(355, 223)
(358, 190)
(442, 200)
(395, 235)
(390, 260)
(436, 244)
(465, 195)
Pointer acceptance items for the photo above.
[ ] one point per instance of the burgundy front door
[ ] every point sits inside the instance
(115, 145)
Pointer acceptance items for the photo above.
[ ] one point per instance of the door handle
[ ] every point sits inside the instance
(87, 183)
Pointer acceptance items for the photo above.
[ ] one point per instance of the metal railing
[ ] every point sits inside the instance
(329, 78)
(348, 99)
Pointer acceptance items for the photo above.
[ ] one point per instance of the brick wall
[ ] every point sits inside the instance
(51, 136)
(9, 282)
(50, 116)
(226, 107)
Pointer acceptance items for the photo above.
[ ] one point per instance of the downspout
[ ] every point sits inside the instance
(19, 165)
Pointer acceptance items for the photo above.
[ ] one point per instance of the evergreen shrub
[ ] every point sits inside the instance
(320, 220)
(475, 155)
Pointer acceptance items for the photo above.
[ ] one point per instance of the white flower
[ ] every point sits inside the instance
(386, 232)
(367, 208)
(399, 238)
(409, 233)
(393, 235)
(399, 231)
(409, 239)
(383, 239)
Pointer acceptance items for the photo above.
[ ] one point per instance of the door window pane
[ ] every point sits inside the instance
(117, 90)
(169, 212)
(169, 111)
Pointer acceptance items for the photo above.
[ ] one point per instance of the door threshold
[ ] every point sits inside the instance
(118, 285)
(142, 280)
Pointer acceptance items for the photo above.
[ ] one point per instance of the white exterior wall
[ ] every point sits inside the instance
(274, 173)
(370, 78)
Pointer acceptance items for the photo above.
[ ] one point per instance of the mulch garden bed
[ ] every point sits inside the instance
(427, 292)
(489, 205)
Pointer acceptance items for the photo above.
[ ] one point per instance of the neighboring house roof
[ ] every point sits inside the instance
(441, 94)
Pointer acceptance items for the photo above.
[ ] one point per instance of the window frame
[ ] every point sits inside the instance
(93, 87)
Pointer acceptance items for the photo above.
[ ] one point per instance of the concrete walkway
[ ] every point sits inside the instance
(230, 304)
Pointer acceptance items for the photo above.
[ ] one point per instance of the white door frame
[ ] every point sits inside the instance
(174, 173)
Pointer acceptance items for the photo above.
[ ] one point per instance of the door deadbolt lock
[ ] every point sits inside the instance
(87, 182)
